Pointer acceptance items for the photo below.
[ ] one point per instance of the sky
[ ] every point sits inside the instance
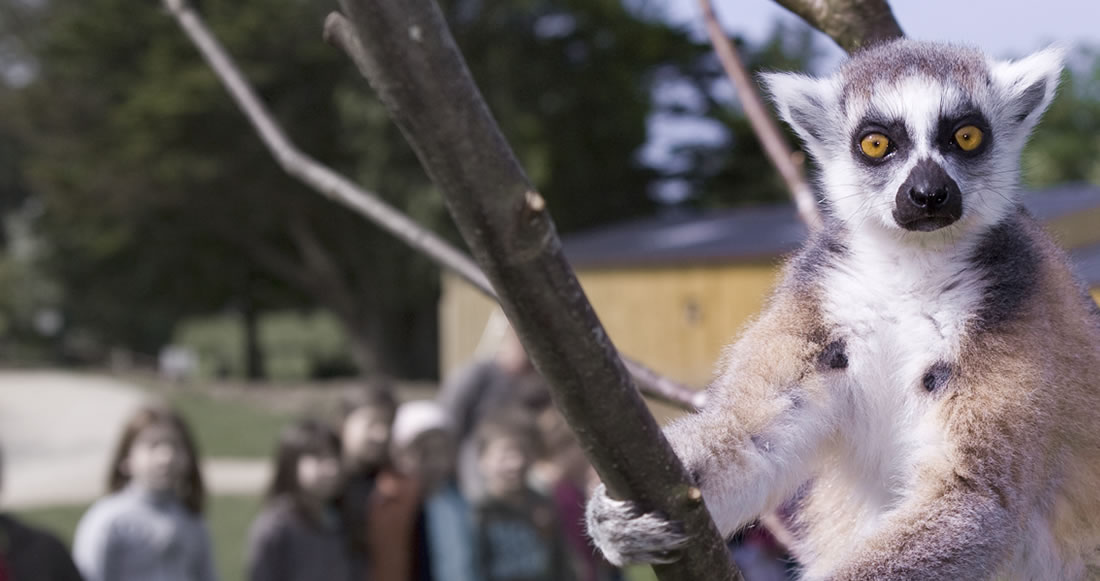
(1004, 28)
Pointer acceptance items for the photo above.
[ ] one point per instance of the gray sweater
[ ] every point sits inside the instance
(137, 535)
(284, 546)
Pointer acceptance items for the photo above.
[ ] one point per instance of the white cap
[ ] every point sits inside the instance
(416, 417)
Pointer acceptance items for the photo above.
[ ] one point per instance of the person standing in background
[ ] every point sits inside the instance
(381, 505)
(564, 475)
(298, 535)
(519, 537)
(150, 525)
(28, 554)
(424, 448)
(507, 381)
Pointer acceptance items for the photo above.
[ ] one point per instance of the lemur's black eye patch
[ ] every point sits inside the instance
(877, 140)
(966, 135)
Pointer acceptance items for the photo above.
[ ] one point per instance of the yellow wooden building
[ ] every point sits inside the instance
(672, 290)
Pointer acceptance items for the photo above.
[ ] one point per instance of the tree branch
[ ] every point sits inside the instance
(853, 24)
(775, 145)
(407, 53)
(369, 205)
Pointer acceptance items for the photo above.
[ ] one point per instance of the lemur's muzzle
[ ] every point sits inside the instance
(928, 200)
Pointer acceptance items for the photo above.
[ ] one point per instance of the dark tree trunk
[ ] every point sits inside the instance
(250, 319)
(366, 341)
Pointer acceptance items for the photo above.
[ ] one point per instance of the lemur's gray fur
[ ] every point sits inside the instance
(921, 397)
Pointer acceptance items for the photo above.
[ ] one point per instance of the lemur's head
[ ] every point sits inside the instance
(915, 137)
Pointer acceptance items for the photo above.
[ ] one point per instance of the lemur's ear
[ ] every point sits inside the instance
(807, 104)
(1027, 85)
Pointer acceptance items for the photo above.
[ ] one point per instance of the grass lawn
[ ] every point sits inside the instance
(640, 573)
(227, 516)
(227, 428)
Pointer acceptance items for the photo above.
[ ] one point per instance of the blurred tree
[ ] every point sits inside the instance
(160, 202)
(1066, 145)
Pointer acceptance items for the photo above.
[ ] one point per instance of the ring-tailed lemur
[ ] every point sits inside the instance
(921, 397)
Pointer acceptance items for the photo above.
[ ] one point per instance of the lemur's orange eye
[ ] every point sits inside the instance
(968, 138)
(875, 145)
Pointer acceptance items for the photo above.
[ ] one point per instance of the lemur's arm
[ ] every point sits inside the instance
(959, 530)
(767, 413)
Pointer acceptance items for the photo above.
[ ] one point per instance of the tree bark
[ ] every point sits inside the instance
(250, 320)
(853, 24)
(407, 53)
(341, 190)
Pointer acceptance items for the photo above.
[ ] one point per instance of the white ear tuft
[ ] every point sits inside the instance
(807, 104)
(1028, 85)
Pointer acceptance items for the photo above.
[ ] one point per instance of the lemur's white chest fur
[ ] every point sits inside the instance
(900, 310)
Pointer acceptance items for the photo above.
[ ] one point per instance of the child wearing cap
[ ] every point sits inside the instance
(424, 447)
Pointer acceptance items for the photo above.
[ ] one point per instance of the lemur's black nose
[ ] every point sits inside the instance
(929, 199)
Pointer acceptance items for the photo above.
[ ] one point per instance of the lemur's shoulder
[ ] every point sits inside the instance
(803, 271)
(1024, 265)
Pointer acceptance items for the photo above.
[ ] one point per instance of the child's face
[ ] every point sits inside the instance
(158, 460)
(366, 436)
(504, 463)
(320, 476)
(430, 458)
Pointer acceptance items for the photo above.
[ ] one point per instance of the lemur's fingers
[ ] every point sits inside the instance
(627, 535)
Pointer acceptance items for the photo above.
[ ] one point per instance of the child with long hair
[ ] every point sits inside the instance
(381, 505)
(150, 525)
(299, 535)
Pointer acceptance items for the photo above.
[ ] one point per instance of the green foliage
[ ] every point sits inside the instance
(1066, 145)
(161, 202)
(738, 172)
(297, 346)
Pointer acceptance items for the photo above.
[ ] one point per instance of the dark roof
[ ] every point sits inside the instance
(1087, 263)
(684, 236)
(747, 234)
(1061, 200)
(743, 234)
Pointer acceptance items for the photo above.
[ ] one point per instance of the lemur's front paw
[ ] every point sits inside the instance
(627, 535)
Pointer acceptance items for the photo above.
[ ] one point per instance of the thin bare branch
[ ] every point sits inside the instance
(368, 204)
(775, 145)
(853, 24)
(411, 60)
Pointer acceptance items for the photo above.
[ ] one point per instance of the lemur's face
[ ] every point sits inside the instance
(917, 137)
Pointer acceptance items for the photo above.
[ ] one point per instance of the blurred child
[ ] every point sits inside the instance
(298, 536)
(484, 388)
(31, 554)
(150, 526)
(381, 505)
(519, 536)
(424, 447)
(564, 474)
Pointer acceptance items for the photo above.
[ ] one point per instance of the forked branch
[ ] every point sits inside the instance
(407, 53)
(368, 204)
